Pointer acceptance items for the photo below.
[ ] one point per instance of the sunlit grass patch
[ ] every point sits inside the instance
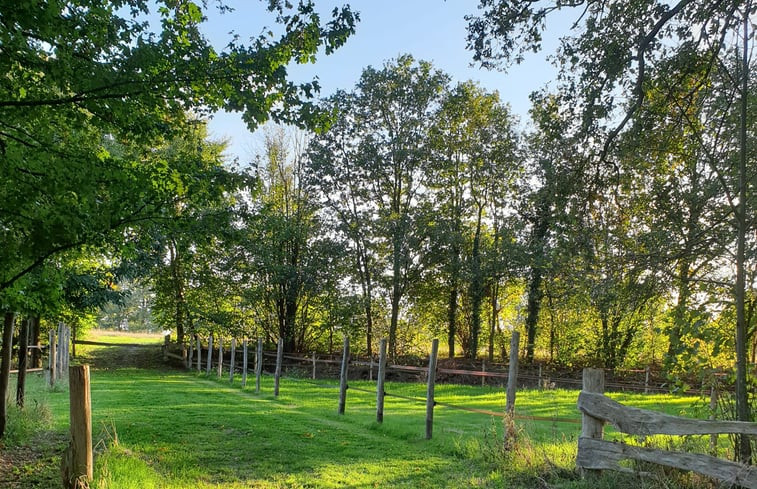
(175, 429)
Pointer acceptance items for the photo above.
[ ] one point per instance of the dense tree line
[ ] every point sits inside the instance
(617, 229)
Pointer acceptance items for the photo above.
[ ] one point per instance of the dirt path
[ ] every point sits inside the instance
(115, 357)
(34, 466)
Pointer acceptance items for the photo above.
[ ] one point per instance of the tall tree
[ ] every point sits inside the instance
(395, 107)
(334, 172)
(81, 74)
(620, 48)
(474, 165)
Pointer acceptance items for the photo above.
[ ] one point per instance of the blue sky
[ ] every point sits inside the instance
(433, 30)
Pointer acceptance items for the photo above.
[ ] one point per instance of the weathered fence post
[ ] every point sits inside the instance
(199, 353)
(210, 355)
(244, 363)
(166, 343)
(67, 348)
(380, 382)
(258, 365)
(430, 388)
(646, 380)
(77, 461)
(512, 374)
(277, 372)
(60, 352)
(220, 356)
(512, 387)
(591, 427)
(483, 371)
(23, 347)
(51, 360)
(343, 375)
(313, 365)
(232, 360)
(541, 382)
(713, 408)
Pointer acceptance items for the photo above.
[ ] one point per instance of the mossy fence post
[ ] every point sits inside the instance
(277, 372)
(430, 403)
(512, 388)
(512, 374)
(591, 427)
(77, 466)
(380, 382)
(343, 375)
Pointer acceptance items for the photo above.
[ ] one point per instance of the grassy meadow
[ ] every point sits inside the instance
(172, 429)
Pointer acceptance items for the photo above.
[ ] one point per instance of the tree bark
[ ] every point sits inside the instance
(22, 355)
(5, 367)
(494, 316)
(533, 307)
(535, 293)
(452, 319)
(36, 352)
(476, 288)
(743, 445)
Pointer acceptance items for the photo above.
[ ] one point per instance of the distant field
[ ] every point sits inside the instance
(109, 336)
(174, 430)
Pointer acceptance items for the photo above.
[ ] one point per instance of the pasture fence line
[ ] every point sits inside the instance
(429, 373)
(490, 373)
(595, 453)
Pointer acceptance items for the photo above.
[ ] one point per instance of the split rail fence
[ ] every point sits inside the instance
(595, 453)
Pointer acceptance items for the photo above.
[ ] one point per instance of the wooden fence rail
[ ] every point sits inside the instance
(594, 453)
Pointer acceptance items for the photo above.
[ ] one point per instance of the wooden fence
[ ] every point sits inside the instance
(594, 453)
(194, 355)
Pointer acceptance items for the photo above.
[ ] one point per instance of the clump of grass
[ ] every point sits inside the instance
(24, 423)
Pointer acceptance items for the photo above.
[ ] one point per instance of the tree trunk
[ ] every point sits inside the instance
(368, 306)
(533, 306)
(743, 445)
(289, 320)
(535, 293)
(23, 350)
(452, 319)
(396, 294)
(494, 317)
(476, 288)
(5, 368)
(366, 283)
(36, 352)
(178, 291)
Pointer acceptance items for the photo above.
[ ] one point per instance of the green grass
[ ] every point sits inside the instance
(176, 430)
(122, 337)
